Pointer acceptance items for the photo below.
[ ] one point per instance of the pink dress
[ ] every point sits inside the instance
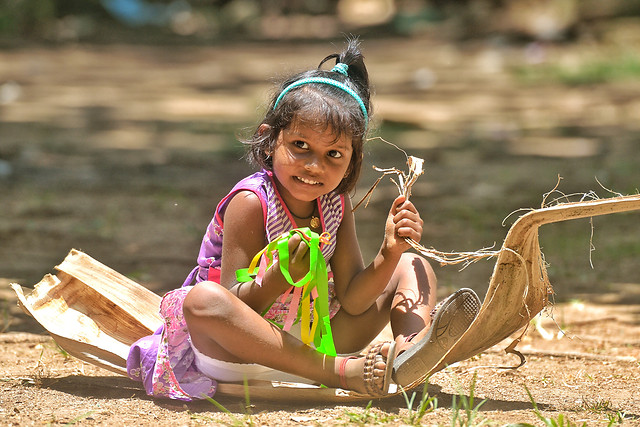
(164, 362)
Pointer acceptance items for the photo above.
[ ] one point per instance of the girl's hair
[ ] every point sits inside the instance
(321, 106)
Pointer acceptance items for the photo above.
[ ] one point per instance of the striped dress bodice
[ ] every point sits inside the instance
(277, 220)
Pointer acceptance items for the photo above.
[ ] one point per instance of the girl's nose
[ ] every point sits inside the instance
(312, 164)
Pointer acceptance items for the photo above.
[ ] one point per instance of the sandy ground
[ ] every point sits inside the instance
(589, 373)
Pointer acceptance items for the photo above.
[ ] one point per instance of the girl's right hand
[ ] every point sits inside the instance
(298, 257)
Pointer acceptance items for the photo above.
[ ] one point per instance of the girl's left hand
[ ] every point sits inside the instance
(403, 222)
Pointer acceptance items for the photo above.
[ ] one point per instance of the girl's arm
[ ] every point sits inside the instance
(358, 287)
(243, 238)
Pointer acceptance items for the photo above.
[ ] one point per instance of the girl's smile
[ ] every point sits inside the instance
(306, 181)
(308, 163)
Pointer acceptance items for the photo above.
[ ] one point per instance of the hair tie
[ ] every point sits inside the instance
(330, 82)
(341, 68)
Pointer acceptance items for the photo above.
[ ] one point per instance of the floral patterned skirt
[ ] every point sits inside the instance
(165, 361)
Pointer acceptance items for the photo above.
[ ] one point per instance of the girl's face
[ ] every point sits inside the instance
(308, 163)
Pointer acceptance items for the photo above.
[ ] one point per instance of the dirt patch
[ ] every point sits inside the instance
(588, 374)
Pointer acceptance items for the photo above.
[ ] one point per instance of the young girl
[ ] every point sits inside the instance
(309, 147)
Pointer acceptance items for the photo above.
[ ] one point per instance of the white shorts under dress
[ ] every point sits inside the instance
(224, 371)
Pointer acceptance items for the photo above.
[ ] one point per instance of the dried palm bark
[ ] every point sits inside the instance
(92, 311)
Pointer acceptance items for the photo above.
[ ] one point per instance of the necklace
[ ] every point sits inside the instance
(315, 221)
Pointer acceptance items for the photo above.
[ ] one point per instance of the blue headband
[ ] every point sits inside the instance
(339, 68)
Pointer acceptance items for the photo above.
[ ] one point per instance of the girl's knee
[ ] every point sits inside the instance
(411, 263)
(206, 300)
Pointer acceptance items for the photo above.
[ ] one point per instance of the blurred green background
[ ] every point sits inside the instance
(119, 122)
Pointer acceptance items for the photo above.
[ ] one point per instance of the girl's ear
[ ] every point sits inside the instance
(263, 128)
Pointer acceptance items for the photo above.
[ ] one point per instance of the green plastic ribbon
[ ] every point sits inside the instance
(318, 332)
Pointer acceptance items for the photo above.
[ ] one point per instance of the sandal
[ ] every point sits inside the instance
(373, 356)
(451, 319)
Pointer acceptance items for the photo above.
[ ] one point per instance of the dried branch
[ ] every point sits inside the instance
(404, 185)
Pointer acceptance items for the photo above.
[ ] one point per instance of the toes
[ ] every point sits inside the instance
(369, 372)
(376, 368)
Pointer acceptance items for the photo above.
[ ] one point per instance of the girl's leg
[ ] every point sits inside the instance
(413, 303)
(407, 302)
(225, 328)
(414, 298)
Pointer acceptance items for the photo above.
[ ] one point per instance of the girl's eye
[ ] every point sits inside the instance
(335, 154)
(301, 144)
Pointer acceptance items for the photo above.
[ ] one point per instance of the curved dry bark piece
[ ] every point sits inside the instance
(93, 312)
(519, 285)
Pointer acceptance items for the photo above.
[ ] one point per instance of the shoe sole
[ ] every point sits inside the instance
(449, 323)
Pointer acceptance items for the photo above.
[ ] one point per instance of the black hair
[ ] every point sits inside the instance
(321, 106)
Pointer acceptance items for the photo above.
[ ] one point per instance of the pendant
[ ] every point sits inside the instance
(315, 222)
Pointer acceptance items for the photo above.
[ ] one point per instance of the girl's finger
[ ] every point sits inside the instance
(407, 206)
(409, 232)
(408, 223)
(294, 241)
(408, 215)
(397, 203)
(299, 251)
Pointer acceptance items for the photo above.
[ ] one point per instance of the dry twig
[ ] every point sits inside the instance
(404, 184)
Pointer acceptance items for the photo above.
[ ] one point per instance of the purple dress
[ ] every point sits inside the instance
(165, 362)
